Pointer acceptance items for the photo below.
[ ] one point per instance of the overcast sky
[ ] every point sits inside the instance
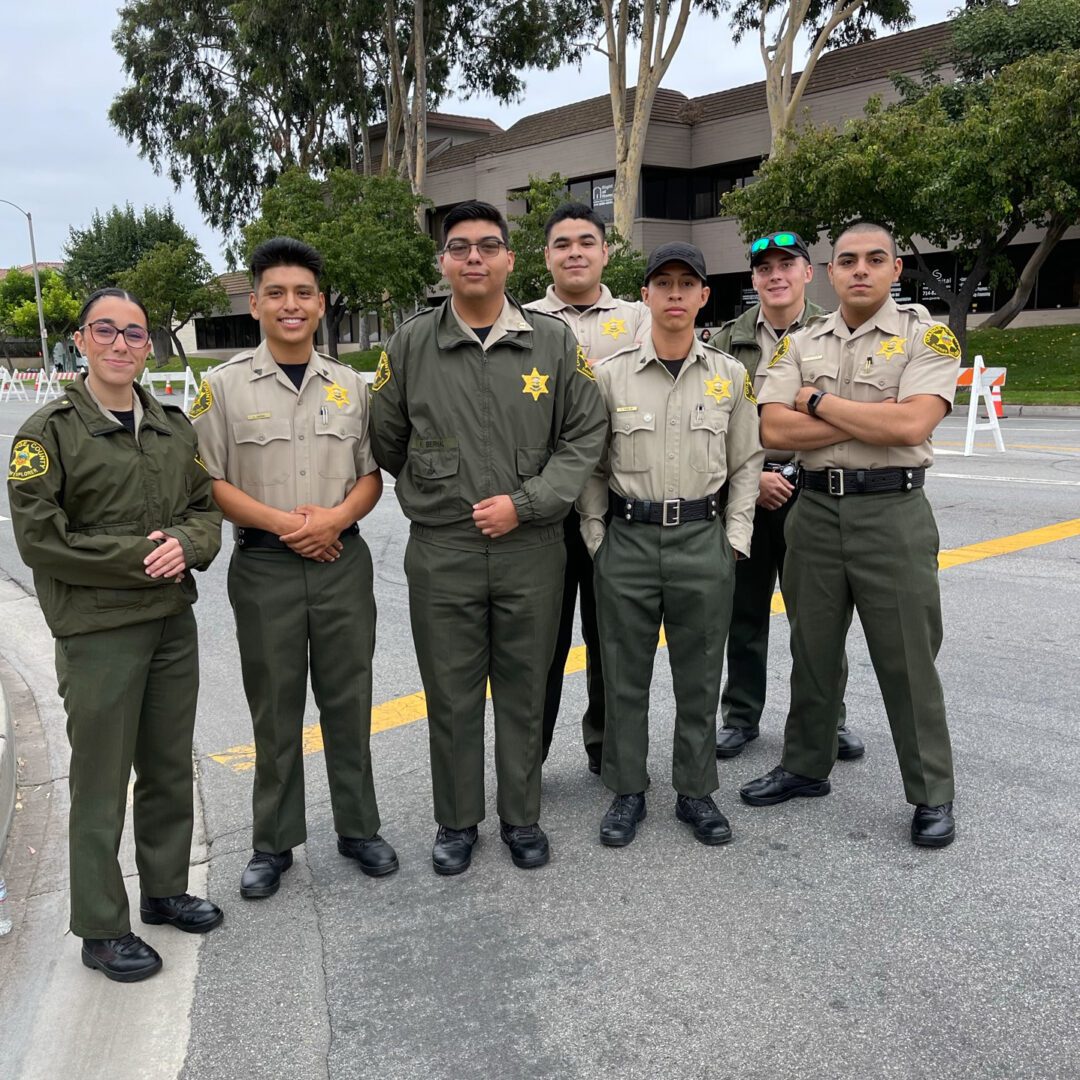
(62, 159)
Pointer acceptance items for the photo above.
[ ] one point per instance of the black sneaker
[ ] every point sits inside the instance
(528, 844)
(710, 826)
(452, 852)
(262, 875)
(122, 959)
(618, 827)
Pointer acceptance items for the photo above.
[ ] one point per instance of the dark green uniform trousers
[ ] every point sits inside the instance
(878, 555)
(478, 614)
(130, 696)
(289, 609)
(743, 699)
(684, 577)
(578, 576)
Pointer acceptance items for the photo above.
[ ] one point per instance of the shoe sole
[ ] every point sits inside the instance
(729, 752)
(152, 919)
(116, 976)
(450, 871)
(708, 841)
(934, 841)
(850, 755)
(260, 892)
(810, 791)
(530, 864)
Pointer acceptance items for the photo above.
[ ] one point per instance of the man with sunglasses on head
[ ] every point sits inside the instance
(780, 270)
(491, 422)
(858, 394)
(576, 253)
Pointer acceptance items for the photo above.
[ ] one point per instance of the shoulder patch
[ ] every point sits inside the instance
(28, 460)
(583, 365)
(748, 388)
(781, 350)
(382, 373)
(940, 339)
(204, 400)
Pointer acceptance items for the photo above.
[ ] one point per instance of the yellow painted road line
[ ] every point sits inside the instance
(413, 707)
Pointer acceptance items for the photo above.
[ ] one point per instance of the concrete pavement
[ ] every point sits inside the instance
(818, 943)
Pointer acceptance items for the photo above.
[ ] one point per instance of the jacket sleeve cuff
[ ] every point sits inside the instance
(739, 538)
(523, 505)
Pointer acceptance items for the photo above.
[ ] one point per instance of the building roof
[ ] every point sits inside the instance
(28, 268)
(842, 67)
(237, 283)
(449, 120)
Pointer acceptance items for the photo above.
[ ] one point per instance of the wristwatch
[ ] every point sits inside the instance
(813, 401)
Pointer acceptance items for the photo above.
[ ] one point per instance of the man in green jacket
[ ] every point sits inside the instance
(491, 423)
(112, 510)
(780, 268)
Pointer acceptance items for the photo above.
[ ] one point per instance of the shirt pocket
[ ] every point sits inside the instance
(880, 382)
(336, 443)
(708, 440)
(434, 470)
(821, 371)
(531, 460)
(631, 434)
(263, 452)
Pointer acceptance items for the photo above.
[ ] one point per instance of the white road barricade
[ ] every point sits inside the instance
(169, 384)
(51, 386)
(982, 381)
(12, 385)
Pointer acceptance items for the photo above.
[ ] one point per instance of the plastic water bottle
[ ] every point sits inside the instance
(5, 917)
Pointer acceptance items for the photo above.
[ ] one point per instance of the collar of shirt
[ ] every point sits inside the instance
(885, 320)
(649, 355)
(137, 407)
(263, 365)
(763, 322)
(552, 302)
(510, 321)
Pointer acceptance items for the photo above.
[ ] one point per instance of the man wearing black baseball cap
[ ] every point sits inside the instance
(679, 478)
(780, 271)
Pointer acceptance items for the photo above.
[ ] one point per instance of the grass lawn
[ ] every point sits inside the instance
(1043, 362)
(361, 361)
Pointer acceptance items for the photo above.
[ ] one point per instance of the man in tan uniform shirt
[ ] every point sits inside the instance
(858, 395)
(576, 254)
(284, 434)
(680, 478)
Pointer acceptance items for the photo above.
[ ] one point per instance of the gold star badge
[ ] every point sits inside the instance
(718, 388)
(891, 347)
(535, 384)
(613, 328)
(337, 394)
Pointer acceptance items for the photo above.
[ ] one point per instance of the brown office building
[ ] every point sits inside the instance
(699, 148)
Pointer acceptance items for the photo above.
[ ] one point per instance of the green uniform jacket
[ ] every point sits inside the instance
(456, 424)
(738, 337)
(84, 495)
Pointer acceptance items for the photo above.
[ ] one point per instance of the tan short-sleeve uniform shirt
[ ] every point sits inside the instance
(610, 326)
(677, 438)
(898, 353)
(279, 445)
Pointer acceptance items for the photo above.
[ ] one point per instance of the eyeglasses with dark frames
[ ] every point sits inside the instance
(105, 333)
(489, 247)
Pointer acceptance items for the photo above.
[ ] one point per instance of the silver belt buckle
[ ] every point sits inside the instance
(672, 512)
(836, 481)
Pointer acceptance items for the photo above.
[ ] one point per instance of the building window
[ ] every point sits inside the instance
(682, 195)
(227, 332)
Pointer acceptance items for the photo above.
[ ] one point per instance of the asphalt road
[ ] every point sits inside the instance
(819, 943)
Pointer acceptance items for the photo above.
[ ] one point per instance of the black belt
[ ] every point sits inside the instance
(669, 511)
(248, 537)
(862, 481)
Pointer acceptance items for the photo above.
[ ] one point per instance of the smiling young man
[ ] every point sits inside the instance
(679, 478)
(780, 270)
(858, 395)
(576, 253)
(284, 433)
(491, 423)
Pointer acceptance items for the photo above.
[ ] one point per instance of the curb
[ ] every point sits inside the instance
(7, 770)
(1047, 411)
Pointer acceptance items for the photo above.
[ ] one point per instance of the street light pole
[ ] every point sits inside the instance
(37, 286)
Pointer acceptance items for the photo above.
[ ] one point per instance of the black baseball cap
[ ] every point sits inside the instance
(676, 251)
(779, 241)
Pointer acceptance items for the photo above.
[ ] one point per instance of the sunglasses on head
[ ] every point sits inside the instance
(780, 240)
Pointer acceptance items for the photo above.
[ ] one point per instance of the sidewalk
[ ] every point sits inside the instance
(58, 1018)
